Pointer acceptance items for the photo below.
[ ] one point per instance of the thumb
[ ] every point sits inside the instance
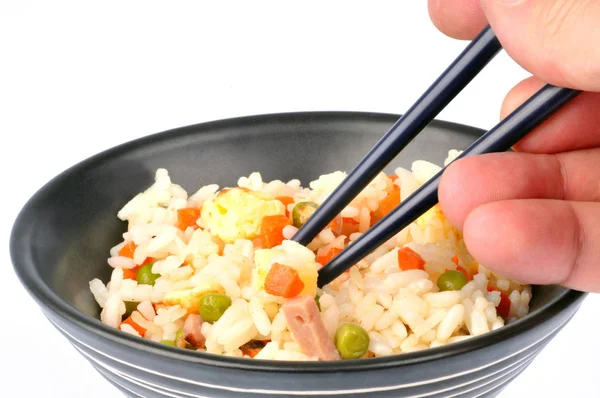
(555, 40)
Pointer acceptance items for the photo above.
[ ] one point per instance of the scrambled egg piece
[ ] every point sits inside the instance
(190, 298)
(428, 215)
(237, 213)
(303, 261)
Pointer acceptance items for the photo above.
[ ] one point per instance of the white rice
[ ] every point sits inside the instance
(402, 311)
(121, 262)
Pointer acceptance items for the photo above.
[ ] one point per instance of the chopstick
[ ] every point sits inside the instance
(500, 138)
(451, 82)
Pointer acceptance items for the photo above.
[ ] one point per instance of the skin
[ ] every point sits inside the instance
(534, 215)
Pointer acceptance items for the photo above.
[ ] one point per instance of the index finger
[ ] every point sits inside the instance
(460, 19)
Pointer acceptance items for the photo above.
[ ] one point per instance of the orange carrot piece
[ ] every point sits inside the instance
(409, 259)
(386, 205)
(283, 280)
(129, 321)
(393, 177)
(466, 273)
(187, 217)
(148, 260)
(286, 200)
(130, 273)
(128, 250)
(350, 221)
(349, 226)
(271, 230)
(325, 258)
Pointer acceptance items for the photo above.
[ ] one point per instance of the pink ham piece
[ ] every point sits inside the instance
(304, 321)
(192, 330)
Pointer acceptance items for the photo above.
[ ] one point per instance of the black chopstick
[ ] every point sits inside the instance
(456, 77)
(500, 138)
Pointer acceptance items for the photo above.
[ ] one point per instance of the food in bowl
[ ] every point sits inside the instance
(217, 272)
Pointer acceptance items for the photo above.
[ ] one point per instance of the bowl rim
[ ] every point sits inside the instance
(24, 266)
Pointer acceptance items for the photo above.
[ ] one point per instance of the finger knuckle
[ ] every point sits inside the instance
(562, 171)
(555, 16)
(579, 243)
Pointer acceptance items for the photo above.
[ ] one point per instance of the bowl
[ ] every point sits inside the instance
(61, 238)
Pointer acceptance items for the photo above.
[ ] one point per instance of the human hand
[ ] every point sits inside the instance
(534, 215)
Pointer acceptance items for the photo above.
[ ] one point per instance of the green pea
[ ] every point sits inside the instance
(179, 337)
(145, 275)
(130, 306)
(302, 212)
(451, 280)
(213, 306)
(169, 342)
(352, 341)
(181, 342)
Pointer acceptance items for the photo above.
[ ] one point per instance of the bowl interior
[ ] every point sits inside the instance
(66, 230)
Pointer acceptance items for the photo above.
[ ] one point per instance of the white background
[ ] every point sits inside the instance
(80, 77)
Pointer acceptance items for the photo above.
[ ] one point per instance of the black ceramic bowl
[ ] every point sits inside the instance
(67, 228)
